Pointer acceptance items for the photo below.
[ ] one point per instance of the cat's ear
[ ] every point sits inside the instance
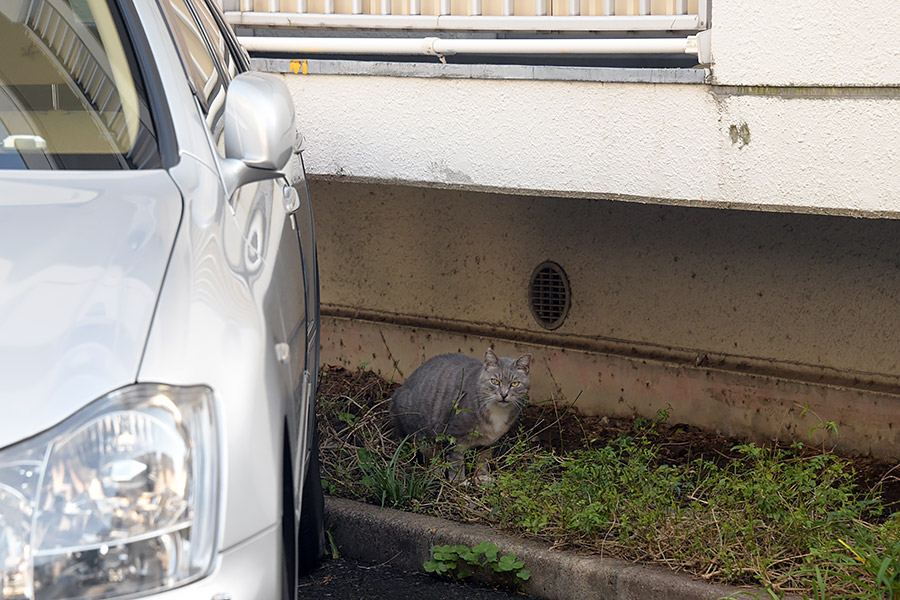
(490, 359)
(523, 363)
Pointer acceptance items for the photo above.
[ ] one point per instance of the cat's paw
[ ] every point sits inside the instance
(478, 480)
(457, 475)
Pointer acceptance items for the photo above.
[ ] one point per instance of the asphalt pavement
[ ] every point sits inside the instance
(348, 579)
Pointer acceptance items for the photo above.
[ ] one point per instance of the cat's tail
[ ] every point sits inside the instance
(395, 411)
(405, 422)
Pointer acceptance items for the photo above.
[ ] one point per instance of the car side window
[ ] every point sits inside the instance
(216, 38)
(237, 52)
(206, 79)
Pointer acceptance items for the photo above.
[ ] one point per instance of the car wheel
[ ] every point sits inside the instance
(311, 542)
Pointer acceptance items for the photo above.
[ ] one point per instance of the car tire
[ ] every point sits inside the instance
(311, 542)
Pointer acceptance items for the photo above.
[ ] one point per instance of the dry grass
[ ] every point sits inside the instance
(355, 431)
(772, 517)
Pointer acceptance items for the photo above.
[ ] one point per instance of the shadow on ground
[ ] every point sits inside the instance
(347, 579)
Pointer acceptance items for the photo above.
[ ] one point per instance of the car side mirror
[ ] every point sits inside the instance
(260, 129)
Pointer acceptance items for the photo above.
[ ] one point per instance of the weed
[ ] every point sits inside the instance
(765, 518)
(332, 547)
(825, 426)
(389, 481)
(871, 568)
(349, 418)
(462, 562)
(663, 414)
(787, 518)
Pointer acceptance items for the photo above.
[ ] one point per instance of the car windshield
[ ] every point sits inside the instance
(71, 96)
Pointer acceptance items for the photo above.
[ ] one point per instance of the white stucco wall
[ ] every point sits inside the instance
(805, 42)
(650, 141)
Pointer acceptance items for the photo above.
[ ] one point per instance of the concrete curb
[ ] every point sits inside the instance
(383, 535)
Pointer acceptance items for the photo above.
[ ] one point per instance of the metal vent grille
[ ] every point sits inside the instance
(549, 295)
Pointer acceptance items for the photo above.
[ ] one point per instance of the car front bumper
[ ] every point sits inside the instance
(249, 571)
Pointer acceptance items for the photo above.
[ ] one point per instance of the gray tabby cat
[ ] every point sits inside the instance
(475, 402)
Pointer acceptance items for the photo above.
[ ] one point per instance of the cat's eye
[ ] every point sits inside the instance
(495, 381)
(514, 384)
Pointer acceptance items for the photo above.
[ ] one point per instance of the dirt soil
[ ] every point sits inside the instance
(564, 429)
(347, 579)
(680, 443)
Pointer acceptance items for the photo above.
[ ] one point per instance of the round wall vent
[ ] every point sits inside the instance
(549, 295)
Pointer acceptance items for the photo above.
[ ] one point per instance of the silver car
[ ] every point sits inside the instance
(158, 310)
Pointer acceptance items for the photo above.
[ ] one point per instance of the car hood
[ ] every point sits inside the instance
(82, 258)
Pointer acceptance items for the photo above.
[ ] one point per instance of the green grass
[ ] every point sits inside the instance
(389, 481)
(789, 519)
(766, 518)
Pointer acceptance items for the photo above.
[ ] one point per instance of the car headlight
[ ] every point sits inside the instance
(120, 498)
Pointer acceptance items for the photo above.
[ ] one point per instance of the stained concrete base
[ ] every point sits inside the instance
(729, 402)
(383, 535)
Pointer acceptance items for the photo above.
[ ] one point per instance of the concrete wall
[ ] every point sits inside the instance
(801, 114)
(805, 42)
(738, 404)
(792, 289)
(439, 191)
(690, 144)
(688, 306)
